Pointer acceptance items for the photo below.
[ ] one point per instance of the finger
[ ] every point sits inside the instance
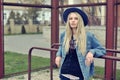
(91, 59)
(87, 62)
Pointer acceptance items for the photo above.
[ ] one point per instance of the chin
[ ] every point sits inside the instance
(73, 27)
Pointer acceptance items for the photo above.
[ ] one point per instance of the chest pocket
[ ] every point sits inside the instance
(89, 46)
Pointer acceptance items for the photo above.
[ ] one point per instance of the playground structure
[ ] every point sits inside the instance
(112, 12)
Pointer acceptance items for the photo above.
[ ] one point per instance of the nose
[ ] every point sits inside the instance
(73, 20)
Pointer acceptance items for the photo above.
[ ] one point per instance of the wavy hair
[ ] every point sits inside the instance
(80, 35)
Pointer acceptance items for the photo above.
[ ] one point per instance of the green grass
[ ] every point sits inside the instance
(16, 62)
(100, 72)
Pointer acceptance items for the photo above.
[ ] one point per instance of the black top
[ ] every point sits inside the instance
(71, 64)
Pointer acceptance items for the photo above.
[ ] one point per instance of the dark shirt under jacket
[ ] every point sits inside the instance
(71, 65)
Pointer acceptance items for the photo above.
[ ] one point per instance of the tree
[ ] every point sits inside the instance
(93, 12)
(32, 12)
(18, 19)
(11, 16)
(61, 11)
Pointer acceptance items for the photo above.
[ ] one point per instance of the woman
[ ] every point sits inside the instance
(78, 47)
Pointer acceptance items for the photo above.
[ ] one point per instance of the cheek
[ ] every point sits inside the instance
(76, 21)
(70, 22)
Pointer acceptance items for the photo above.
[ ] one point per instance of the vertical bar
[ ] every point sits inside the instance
(54, 24)
(109, 38)
(118, 13)
(1, 42)
(54, 31)
(115, 39)
(29, 64)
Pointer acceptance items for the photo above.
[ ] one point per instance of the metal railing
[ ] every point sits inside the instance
(29, 60)
(55, 50)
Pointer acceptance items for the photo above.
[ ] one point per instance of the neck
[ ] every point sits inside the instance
(74, 31)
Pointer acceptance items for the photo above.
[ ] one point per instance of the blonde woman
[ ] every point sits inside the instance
(78, 48)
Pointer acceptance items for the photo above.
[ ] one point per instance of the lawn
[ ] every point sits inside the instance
(16, 62)
(99, 71)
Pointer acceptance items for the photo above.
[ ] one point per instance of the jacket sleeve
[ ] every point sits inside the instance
(59, 52)
(97, 49)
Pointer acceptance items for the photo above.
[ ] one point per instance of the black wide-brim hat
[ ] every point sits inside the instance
(69, 10)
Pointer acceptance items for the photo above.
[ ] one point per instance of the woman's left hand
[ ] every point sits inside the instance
(89, 58)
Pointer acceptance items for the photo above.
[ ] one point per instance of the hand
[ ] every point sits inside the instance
(57, 61)
(89, 58)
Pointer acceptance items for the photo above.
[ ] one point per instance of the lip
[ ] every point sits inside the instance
(73, 24)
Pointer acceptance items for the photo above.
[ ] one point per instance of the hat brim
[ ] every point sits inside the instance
(69, 10)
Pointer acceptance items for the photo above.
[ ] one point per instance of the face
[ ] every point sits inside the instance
(73, 20)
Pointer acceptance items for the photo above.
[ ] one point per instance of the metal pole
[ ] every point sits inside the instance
(115, 39)
(30, 58)
(54, 24)
(54, 31)
(1, 42)
(109, 38)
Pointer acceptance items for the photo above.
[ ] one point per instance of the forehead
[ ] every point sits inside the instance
(73, 14)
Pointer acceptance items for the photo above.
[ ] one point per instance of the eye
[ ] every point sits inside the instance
(70, 18)
(76, 18)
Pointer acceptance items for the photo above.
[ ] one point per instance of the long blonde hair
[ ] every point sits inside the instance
(80, 35)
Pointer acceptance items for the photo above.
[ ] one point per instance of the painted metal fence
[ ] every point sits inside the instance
(115, 58)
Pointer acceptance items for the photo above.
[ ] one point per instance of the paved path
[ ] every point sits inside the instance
(22, 44)
(39, 75)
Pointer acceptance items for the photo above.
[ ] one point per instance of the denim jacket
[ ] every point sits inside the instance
(93, 45)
